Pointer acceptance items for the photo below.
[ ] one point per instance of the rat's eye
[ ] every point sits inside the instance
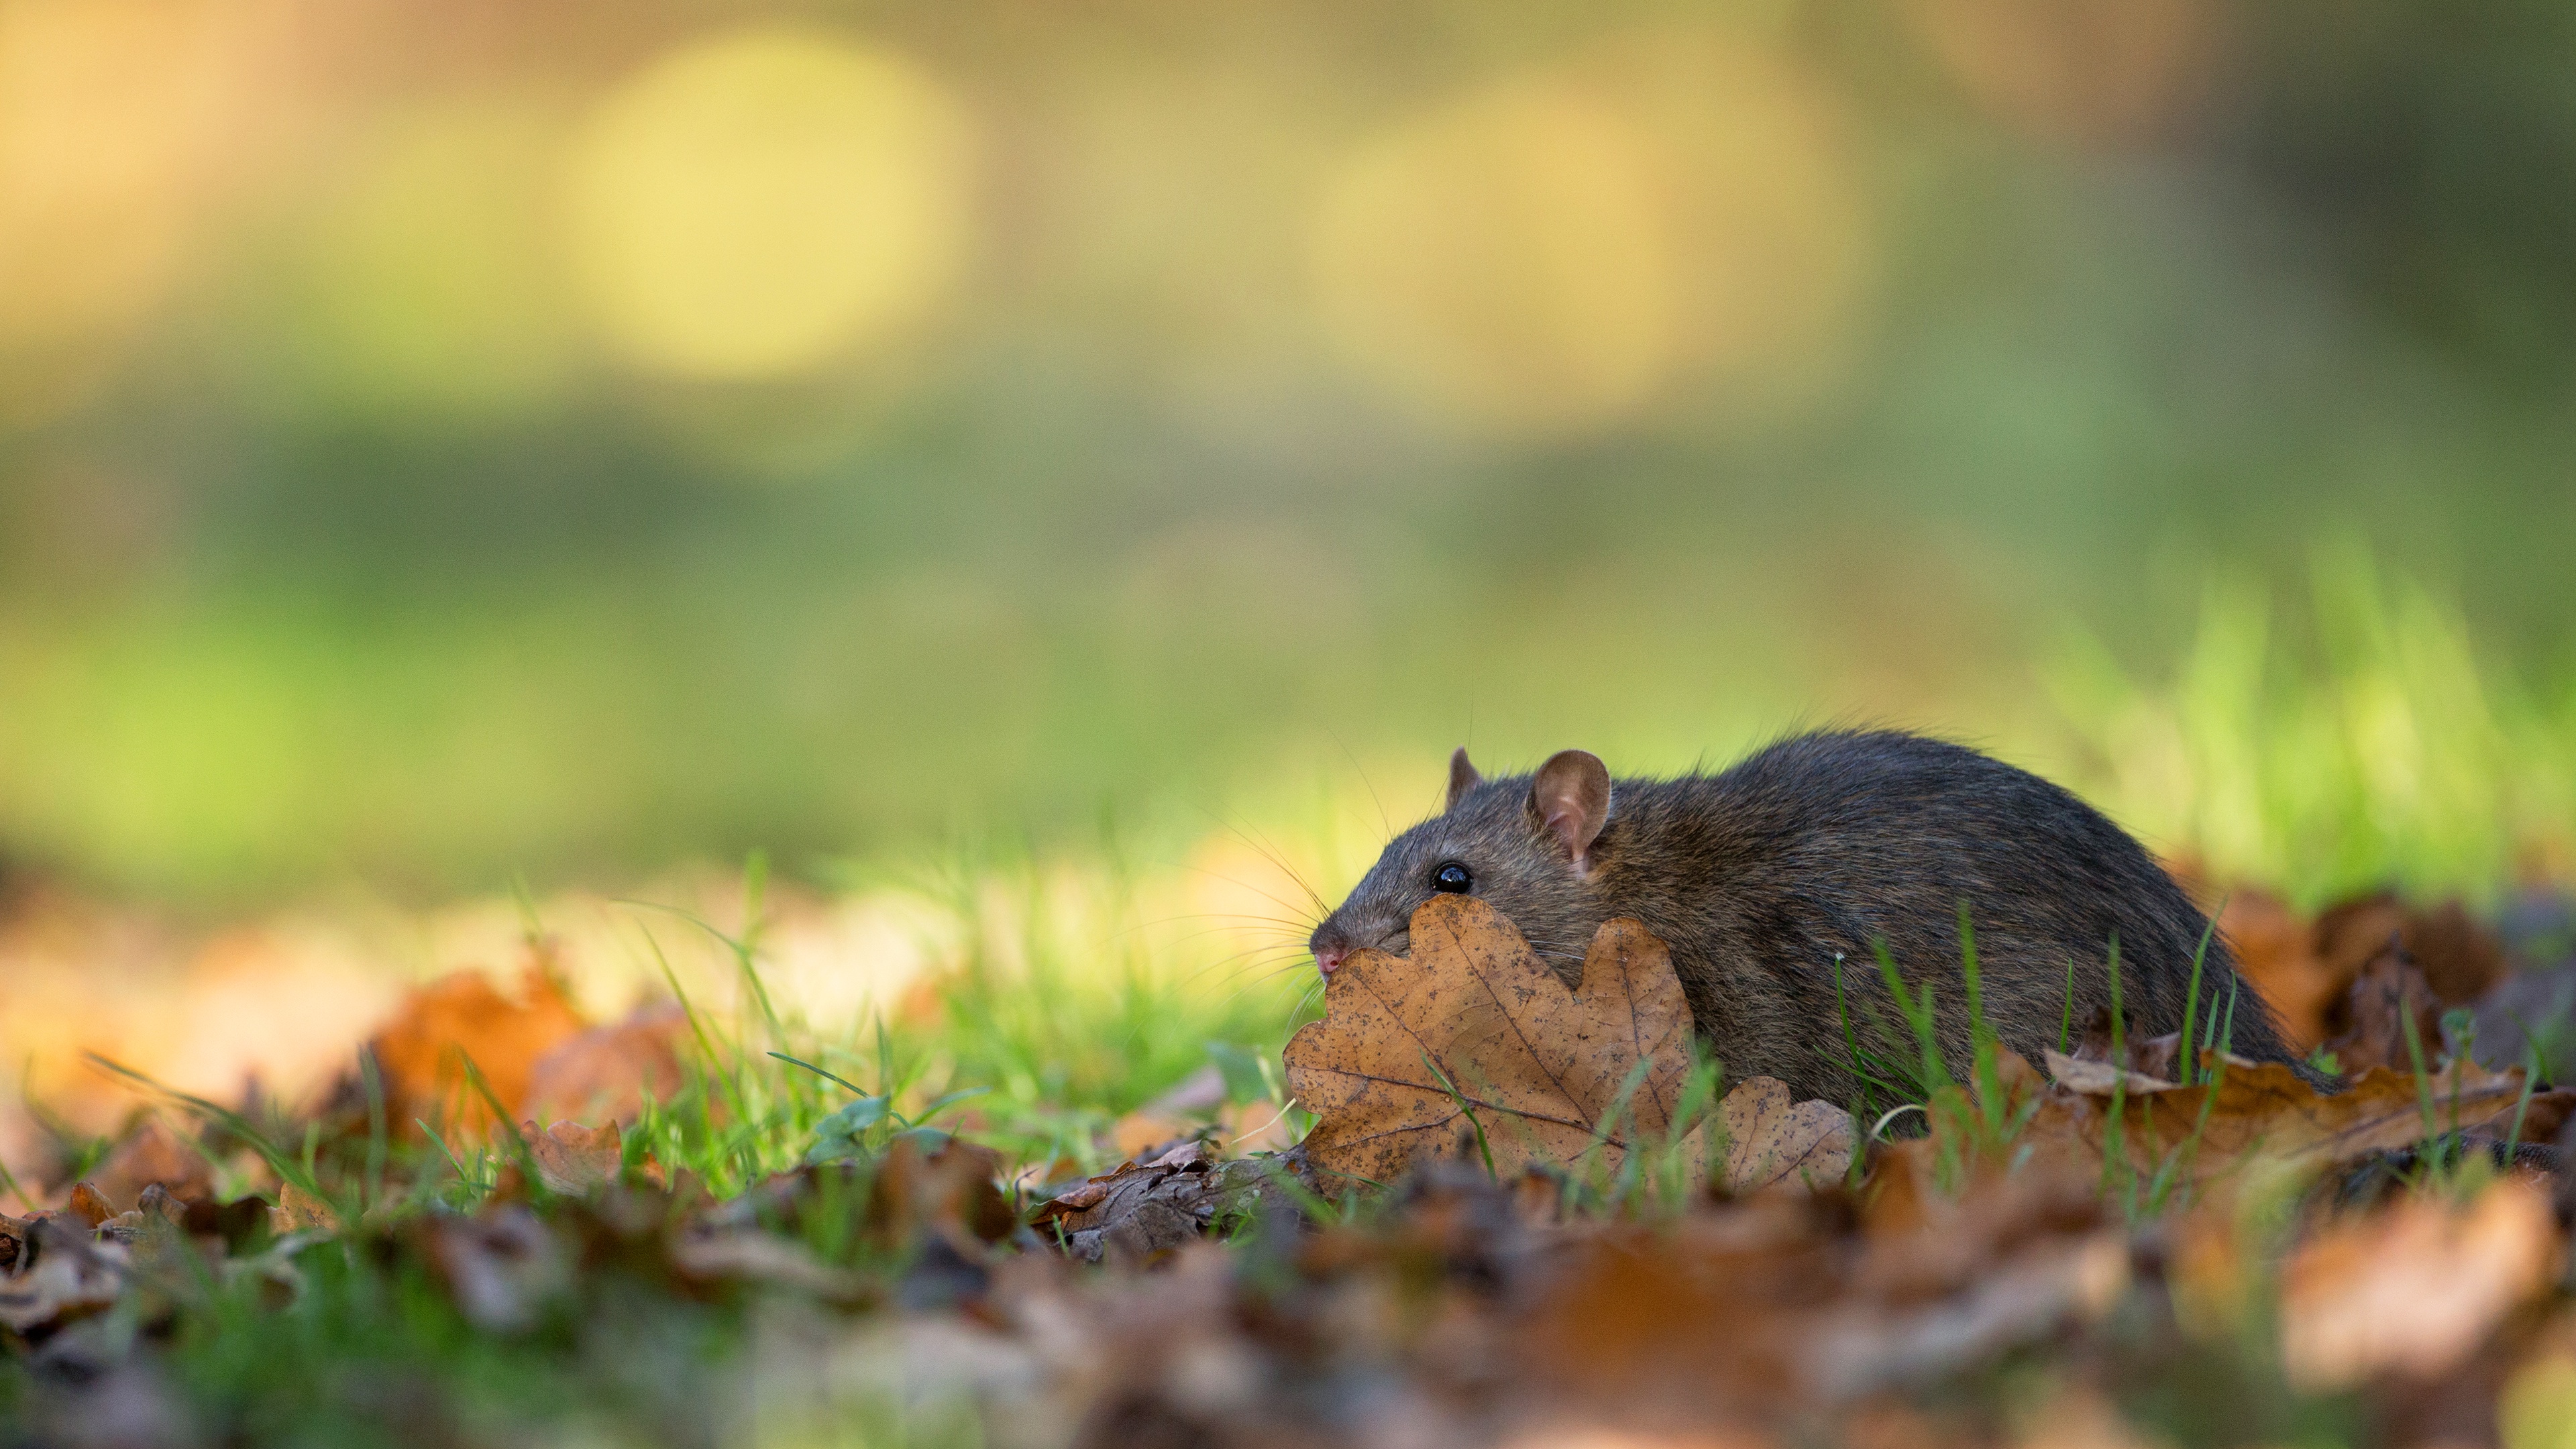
(1451, 877)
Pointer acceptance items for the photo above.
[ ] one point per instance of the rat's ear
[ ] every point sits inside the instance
(1462, 777)
(1570, 795)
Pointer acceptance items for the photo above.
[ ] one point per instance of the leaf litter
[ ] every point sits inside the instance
(1523, 1214)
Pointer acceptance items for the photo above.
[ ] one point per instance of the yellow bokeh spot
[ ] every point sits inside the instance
(1510, 258)
(1557, 252)
(753, 205)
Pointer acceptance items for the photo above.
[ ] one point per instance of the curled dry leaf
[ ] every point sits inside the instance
(2276, 949)
(2459, 958)
(1145, 1209)
(574, 1159)
(300, 1211)
(89, 1204)
(154, 1218)
(2413, 1290)
(1475, 1031)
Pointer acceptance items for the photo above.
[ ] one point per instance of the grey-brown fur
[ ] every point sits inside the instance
(1818, 847)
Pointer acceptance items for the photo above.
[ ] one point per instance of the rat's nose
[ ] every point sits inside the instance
(1330, 947)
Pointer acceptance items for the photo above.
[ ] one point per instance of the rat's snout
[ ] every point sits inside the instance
(1330, 947)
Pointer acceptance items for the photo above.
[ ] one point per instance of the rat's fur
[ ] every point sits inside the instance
(1817, 848)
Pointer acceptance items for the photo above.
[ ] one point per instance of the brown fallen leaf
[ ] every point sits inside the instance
(950, 1191)
(1144, 1209)
(1710, 1317)
(1773, 1141)
(2276, 949)
(2037, 1291)
(605, 1073)
(463, 1012)
(2460, 959)
(151, 1153)
(574, 1159)
(153, 1216)
(2386, 996)
(1923, 1242)
(2413, 1290)
(2261, 1107)
(2305, 969)
(1474, 1030)
(300, 1211)
(89, 1205)
(72, 1276)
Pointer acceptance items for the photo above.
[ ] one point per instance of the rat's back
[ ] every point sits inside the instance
(1777, 880)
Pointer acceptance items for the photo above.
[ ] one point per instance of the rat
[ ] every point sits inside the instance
(1774, 884)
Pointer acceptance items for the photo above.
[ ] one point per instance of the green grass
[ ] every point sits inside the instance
(2359, 741)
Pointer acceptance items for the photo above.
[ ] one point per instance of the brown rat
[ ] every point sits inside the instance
(1814, 849)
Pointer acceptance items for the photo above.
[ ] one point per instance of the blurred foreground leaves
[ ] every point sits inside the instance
(2239, 1260)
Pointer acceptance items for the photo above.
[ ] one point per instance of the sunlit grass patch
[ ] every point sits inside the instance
(2358, 741)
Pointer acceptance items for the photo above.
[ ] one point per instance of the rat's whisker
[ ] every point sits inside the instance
(1247, 970)
(1258, 891)
(1367, 784)
(1258, 954)
(1267, 850)
(1277, 933)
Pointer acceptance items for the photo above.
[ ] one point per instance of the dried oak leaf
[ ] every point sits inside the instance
(1771, 1140)
(1475, 1032)
(2261, 1107)
(2413, 1290)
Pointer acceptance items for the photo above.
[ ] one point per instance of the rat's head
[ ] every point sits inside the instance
(1524, 843)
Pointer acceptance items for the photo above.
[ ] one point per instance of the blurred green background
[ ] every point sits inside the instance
(444, 440)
